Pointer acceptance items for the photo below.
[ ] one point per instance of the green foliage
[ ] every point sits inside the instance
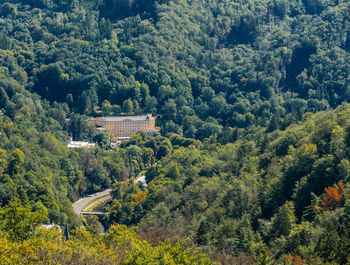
(232, 74)
(119, 246)
(239, 198)
(19, 221)
(173, 172)
(261, 63)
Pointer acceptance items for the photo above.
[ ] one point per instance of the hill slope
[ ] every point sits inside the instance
(285, 190)
(199, 65)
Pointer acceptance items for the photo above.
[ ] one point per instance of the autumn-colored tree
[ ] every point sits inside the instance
(294, 260)
(332, 198)
(140, 196)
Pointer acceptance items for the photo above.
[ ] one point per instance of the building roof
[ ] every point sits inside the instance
(127, 118)
(78, 144)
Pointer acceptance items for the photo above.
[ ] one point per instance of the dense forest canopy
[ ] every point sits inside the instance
(251, 164)
(200, 65)
(288, 190)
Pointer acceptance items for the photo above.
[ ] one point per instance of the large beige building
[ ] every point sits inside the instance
(124, 126)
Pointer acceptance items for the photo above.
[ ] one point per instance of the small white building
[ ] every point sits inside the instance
(80, 144)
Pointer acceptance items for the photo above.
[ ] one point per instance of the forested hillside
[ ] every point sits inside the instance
(22, 242)
(287, 191)
(200, 65)
(251, 164)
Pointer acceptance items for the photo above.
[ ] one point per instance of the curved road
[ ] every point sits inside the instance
(80, 204)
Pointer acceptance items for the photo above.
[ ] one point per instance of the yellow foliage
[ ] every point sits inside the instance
(64, 76)
(121, 245)
(80, 42)
(244, 80)
(140, 196)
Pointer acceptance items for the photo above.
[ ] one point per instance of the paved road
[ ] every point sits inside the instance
(81, 203)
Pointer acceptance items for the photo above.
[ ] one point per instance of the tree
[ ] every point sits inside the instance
(332, 198)
(3, 161)
(84, 103)
(106, 108)
(98, 178)
(4, 99)
(314, 6)
(148, 156)
(202, 237)
(173, 172)
(165, 148)
(16, 162)
(144, 90)
(163, 151)
(19, 220)
(245, 29)
(208, 129)
(151, 105)
(128, 106)
(101, 139)
(8, 9)
(284, 220)
(170, 110)
(106, 28)
(69, 100)
(280, 8)
(78, 127)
